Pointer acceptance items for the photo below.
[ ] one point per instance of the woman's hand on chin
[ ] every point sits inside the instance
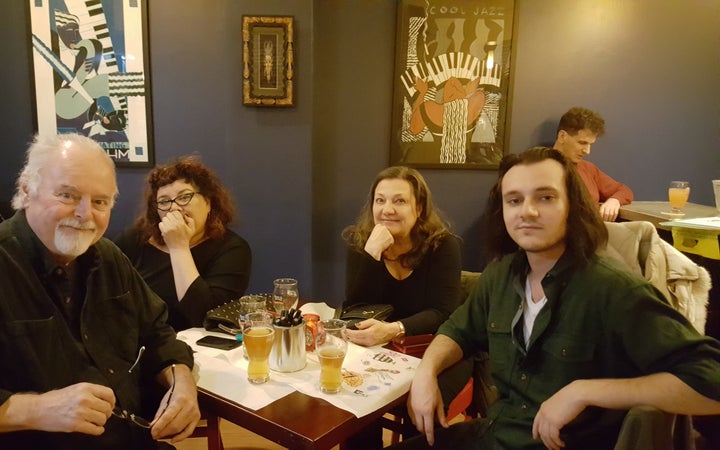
(380, 240)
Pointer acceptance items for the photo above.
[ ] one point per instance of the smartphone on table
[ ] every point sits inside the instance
(218, 342)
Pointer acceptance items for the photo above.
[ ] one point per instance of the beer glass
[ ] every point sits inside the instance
(250, 304)
(331, 347)
(285, 293)
(258, 336)
(678, 194)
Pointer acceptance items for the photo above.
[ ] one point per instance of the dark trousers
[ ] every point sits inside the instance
(451, 382)
(470, 435)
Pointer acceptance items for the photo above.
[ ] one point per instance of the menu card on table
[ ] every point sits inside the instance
(703, 223)
(372, 378)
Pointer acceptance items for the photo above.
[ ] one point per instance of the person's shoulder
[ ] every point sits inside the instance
(443, 247)
(129, 236)
(109, 253)
(232, 235)
(587, 166)
(6, 230)
(610, 270)
(107, 246)
(502, 266)
(449, 241)
(234, 239)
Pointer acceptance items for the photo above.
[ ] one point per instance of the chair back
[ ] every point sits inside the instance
(467, 282)
(685, 285)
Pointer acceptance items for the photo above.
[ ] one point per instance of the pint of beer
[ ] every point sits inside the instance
(258, 341)
(331, 347)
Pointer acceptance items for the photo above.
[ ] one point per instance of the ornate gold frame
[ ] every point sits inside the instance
(268, 62)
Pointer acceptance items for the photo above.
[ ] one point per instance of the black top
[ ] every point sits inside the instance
(224, 267)
(423, 300)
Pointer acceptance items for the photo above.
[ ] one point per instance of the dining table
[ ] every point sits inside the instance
(296, 421)
(290, 409)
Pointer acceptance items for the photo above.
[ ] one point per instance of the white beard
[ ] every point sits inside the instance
(71, 242)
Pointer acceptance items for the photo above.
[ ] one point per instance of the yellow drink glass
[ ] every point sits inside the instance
(258, 340)
(331, 348)
(678, 194)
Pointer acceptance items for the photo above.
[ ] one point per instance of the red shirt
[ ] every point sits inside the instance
(602, 187)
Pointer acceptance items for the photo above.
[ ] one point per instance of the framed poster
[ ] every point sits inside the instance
(268, 61)
(90, 63)
(452, 77)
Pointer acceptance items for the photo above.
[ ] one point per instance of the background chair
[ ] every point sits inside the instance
(685, 285)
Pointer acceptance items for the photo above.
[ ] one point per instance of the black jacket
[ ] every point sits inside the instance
(38, 351)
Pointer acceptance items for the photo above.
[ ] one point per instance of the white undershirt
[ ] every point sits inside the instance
(531, 311)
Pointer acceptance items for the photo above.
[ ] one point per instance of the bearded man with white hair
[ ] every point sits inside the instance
(85, 347)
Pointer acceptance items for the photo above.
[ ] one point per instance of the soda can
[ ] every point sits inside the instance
(311, 328)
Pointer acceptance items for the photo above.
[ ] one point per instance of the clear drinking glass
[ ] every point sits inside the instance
(678, 194)
(258, 336)
(331, 348)
(285, 293)
(250, 304)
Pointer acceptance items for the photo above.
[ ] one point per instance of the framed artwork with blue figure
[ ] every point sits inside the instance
(451, 85)
(91, 74)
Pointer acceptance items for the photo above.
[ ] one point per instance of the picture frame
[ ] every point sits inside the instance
(90, 65)
(268, 61)
(452, 83)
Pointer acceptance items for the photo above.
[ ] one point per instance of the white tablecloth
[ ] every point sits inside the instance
(372, 377)
(224, 372)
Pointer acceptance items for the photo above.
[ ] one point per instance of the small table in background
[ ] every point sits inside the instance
(653, 212)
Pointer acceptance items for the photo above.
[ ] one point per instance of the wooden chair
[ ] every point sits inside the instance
(209, 427)
(462, 404)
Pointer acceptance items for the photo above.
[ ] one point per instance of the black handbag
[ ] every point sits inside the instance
(224, 318)
(363, 311)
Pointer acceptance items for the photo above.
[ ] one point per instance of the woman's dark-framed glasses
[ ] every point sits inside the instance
(181, 200)
(139, 421)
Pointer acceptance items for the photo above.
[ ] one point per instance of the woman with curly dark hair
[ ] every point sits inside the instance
(401, 253)
(181, 244)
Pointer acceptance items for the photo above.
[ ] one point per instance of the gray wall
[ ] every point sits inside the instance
(299, 175)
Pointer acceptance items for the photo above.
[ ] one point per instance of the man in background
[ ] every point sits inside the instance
(577, 131)
(84, 342)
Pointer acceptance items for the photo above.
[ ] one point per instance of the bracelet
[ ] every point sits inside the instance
(401, 330)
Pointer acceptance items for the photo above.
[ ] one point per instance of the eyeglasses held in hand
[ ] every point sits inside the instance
(181, 200)
(139, 421)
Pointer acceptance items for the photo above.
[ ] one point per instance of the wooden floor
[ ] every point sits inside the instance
(237, 438)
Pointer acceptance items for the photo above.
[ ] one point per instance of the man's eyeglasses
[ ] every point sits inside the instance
(139, 421)
(181, 200)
